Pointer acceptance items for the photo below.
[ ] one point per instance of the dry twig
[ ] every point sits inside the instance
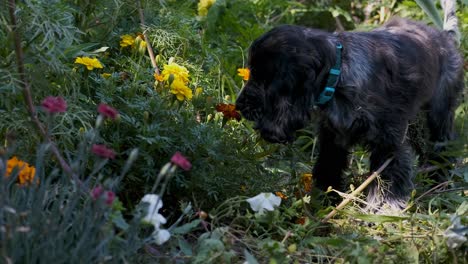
(148, 44)
(358, 190)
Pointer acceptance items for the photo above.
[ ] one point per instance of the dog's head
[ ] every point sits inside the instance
(287, 70)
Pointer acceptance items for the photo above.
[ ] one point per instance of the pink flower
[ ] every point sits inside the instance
(54, 104)
(181, 161)
(110, 197)
(107, 111)
(103, 151)
(96, 192)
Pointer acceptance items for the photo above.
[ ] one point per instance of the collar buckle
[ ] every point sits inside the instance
(333, 77)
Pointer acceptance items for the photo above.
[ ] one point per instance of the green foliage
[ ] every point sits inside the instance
(57, 222)
(209, 220)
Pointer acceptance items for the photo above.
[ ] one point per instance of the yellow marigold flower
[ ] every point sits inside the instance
(90, 63)
(106, 75)
(244, 73)
(203, 7)
(26, 172)
(126, 41)
(306, 182)
(180, 90)
(178, 72)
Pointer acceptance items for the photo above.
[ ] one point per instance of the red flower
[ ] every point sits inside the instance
(181, 161)
(110, 197)
(229, 111)
(96, 192)
(107, 111)
(103, 151)
(54, 104)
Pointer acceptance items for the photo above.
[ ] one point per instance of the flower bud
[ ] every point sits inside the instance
(133, 155)
(203, 215)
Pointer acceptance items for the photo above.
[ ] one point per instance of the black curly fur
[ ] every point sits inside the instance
(388, 76)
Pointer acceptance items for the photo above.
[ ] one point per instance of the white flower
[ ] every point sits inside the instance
(161, 236)
(155, 203)
(155, 219)
(264, 201)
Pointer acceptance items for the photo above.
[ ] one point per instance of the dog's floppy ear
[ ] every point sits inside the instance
(281, 86)
(287, 97)
(296, 80)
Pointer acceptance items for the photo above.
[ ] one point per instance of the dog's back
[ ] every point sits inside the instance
(450, 79)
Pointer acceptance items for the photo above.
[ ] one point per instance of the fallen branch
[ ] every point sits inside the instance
(358, 190)
(436, 167)
(26, 87)
(437, 187)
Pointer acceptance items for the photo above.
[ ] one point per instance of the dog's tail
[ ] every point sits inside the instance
(450, 18)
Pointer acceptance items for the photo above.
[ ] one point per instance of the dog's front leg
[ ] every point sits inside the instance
(392, 191)
(331, 161)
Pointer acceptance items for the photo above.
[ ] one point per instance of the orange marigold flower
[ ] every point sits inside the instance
(306, 181)
(244, 73)
(158, 77)
(281, 195)
(229, 111)
(301, 220)
(26, 172)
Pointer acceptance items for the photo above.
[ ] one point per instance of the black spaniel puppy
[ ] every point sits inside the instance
(366, 87)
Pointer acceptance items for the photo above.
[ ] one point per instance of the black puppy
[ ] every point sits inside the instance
(365, 86)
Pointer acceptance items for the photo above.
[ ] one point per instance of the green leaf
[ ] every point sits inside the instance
(429, 8)
(463, 208)
(185, 247)
(250, 259)
(377, 218)
(75, 50)
(330, 241)
(409, 3)
(119, 221)
(184, 229)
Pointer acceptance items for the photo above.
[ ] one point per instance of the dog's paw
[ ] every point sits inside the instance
(386, 205)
